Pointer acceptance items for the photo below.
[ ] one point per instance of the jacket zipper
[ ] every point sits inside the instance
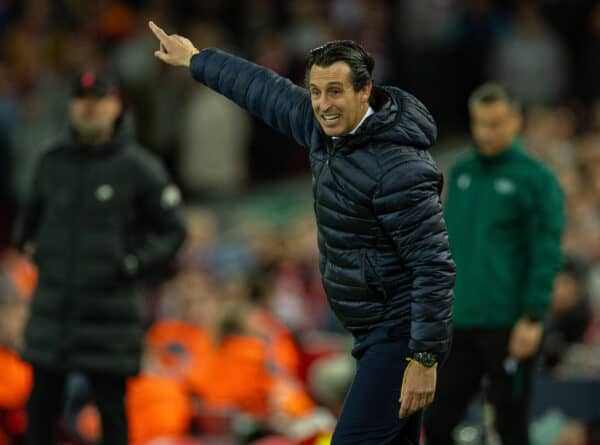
(318, 184)
(73, 240)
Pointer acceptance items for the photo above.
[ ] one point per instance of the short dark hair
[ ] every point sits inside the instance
(361, 63)
(493, 92)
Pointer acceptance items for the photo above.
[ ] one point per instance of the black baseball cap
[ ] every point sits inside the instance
(94, 83)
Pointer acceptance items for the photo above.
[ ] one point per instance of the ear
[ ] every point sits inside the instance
(518, 121)
(116, 106)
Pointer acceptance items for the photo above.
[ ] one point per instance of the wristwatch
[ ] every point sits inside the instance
(427, 359)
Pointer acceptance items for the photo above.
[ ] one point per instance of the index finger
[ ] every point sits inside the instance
(405, 404)
(158, 31)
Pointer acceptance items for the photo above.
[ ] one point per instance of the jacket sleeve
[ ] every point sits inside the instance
(407, 205)
(280, 103)
(544, 230)
(159, 205)
(30, 210)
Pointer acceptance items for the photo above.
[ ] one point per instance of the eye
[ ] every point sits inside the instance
(336, 92)
(314, 93)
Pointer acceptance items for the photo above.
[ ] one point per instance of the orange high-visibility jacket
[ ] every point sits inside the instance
(16, 381)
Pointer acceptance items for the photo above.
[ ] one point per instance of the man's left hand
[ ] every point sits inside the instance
(525, 339)
(418, 388)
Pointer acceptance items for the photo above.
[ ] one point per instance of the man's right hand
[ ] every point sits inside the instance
(174, 49)
(418, 388)
(525, 339)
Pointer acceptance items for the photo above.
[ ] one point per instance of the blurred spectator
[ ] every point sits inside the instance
(274, 49)
(550, 134)
(531, 60)
(213, 134)
(237, 358)
(329, 380)
(20, 272)
(16, 375)
(296, 293)
(261, 14)
(569, 313)
(201, 241)
(588, 66)
(421, 34)
(479, 25)
(213, 138)
(577, 433)
(139, 76)
(424, 24)
(308, 26)
(582, 236)
(8, 112)
(101, 214)
(158, 406)
(115, 20)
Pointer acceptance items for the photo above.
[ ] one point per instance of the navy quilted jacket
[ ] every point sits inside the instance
(383, 245)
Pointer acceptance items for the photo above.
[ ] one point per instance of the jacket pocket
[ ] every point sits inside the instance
(370, 277)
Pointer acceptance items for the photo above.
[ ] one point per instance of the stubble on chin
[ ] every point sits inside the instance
(91, 132)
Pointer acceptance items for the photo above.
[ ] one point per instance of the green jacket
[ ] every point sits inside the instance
(505, 219)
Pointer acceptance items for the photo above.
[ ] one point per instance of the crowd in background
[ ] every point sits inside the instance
(438, 50)
(245, 294)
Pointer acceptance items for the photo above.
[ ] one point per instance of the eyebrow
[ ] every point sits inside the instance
(330, 84)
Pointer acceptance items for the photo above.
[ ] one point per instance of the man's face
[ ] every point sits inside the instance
(337, 106)
(12, 322)
(94, 116)
(494, 125)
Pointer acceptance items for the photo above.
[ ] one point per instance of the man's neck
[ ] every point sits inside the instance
(497, 153)
(369, 111)
(96, 139)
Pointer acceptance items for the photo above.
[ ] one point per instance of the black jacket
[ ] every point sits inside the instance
(89, 209)
(383, 245)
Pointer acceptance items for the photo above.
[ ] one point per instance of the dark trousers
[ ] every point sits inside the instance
(477, 353)
(47, 399)
(370, 412)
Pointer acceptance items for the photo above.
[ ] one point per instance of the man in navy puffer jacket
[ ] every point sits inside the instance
(384, 255)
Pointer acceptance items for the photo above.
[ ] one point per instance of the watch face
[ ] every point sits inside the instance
(427, 359)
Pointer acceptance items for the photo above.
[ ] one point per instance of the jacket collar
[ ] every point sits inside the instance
(514, 148)
(398, 118)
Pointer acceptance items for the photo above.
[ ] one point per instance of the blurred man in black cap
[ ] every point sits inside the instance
(102, 213)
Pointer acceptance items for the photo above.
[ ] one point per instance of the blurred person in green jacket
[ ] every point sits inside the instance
(504, 214)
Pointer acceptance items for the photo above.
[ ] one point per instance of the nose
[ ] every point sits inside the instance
(323, 103)
(87, 105)
(486, 133)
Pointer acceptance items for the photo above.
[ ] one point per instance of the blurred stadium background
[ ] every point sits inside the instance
(250, 258)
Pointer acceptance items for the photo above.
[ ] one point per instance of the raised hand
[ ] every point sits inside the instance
(174, 49)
